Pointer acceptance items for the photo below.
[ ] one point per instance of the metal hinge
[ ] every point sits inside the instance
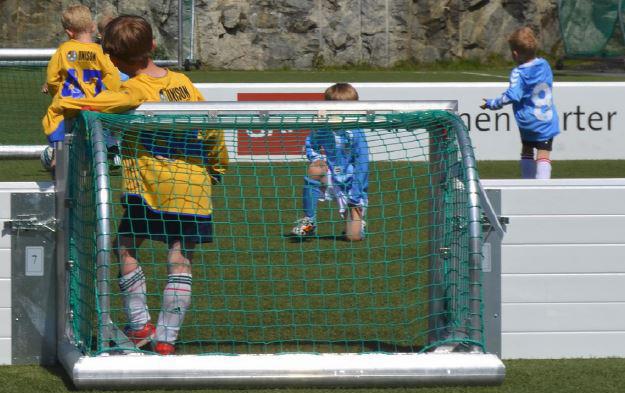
(29, 222)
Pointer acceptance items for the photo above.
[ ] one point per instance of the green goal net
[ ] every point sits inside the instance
(592, 28)
(410, 285)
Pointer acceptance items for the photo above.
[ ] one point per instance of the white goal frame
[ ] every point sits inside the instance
(452, 366)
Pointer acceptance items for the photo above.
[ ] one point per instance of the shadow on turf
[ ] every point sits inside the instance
(300, 239)
(59, 372)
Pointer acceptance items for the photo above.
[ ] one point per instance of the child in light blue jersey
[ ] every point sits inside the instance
(530, 93)
(338, 169)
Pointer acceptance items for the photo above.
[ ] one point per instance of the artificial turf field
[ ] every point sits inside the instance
(24, 102)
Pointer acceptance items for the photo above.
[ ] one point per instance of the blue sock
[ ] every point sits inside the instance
(312, 193)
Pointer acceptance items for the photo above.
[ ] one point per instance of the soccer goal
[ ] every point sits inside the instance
(403, 306)
(592, 29)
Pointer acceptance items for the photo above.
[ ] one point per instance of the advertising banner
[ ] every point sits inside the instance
(591, 114)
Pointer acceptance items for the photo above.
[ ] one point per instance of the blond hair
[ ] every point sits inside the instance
(524, 42)
(104, 20)
(341, 92)
(77, 19)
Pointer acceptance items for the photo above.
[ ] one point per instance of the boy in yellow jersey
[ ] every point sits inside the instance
(78, 69)
(167, 191)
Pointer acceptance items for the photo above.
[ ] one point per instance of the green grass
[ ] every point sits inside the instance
(522, 376)
(498, 74)
(30, 170)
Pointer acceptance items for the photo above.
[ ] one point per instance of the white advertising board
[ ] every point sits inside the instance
(592, 114)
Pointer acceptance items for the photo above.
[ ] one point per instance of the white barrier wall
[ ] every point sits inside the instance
(563, 268)
(6, 189)
(592, 114)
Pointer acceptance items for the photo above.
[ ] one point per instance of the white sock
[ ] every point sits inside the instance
(176, 301)
(528, 167)
(543, 168)
(132, 286)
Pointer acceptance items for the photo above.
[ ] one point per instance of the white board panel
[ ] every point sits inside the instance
(5, 351)
(563, 258)
(5, 263)
(566, 200)
(565, 229)
(5, 236)
(5, 323)
(592, 183)
(27, 186)
(5, 205)
(5, 293)
(590, 113)
(562, 317)
(562, 345)
(562, 288)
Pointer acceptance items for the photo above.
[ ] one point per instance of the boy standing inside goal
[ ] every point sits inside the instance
(530, 93)
(167, 184)
(339, 168)
(78, 69)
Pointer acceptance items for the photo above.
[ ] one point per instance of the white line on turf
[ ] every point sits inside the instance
(482, 74)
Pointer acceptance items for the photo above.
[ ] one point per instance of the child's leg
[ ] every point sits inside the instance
(543, 164)
(177, 292)
(132, 282)
(354, 226)
(316, 178)
(528, 165)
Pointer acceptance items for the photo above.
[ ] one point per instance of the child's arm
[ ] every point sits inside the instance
(110, 74)
(513, 94)
(214, 150)
(311, 151)
(53, 74)
(360, 182)
(215, 153)
(107, 101)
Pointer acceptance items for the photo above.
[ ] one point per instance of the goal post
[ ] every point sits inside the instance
(268, 308)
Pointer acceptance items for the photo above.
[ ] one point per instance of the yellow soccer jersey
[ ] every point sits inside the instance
(77, 70)
(179, 182)
(80, 70)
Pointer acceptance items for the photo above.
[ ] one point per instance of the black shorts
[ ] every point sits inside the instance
(141, 221)
(539, 145)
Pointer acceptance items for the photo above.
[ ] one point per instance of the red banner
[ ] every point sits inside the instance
(281, 142)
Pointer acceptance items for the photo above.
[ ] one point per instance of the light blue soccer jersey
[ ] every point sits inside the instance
(347, 154)
(529, 92)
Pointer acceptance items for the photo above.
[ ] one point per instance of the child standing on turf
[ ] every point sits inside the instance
(339, 166)
(78, 69)
(530, 93)
(167, 184)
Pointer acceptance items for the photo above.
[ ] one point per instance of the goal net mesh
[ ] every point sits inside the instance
(256, 288)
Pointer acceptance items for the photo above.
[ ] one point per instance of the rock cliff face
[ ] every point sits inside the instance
(265, 34)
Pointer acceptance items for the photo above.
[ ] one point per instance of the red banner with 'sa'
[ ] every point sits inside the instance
(276, 142)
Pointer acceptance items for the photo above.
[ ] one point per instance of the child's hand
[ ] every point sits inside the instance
(44, 88)
(485, 104)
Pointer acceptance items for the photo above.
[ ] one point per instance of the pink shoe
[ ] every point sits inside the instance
(142, 336)
(163, 348)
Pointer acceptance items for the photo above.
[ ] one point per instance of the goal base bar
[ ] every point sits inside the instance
(345, 370)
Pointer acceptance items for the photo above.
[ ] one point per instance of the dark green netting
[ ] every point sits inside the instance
(23, 104)
(592, 28)
(256, 289)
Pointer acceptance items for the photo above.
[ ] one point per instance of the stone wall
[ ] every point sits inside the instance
(267, 34)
